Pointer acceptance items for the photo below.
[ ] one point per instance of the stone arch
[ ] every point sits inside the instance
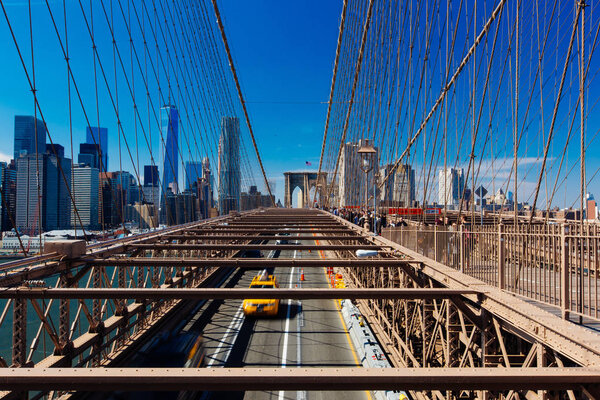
(305, 181)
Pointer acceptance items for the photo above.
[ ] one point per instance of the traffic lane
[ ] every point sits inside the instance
(325, 340)
(260, 340)
(273, 342)
(316, 335)
(268, 335)
(228, 332)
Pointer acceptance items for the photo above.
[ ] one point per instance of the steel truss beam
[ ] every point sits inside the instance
(222, 246)
(213, 293)
(222, 238)
(322, 379)
(529, 335)
(283, 222)
(278, 229)
(243, 262)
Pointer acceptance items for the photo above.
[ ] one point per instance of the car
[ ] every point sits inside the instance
(262, 307)
(196, 355)
(284, 239)
(254, 253)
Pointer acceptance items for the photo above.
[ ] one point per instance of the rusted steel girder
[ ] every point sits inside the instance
(321, 379)
(267, 224)
(278, 229)
(244, 262)
(286, 220)
(225, 246)
(262, 237)
(29, 260)
(258, 224)
(228, 293)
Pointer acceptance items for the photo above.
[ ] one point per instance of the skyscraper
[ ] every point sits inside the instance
(399, 189)
(3, 167)
(52, 208)
(229, 165)
(126, 181)
(9, 192)
(99, 137)
(89, 154)
(113, 198)
(150, 175)
(193, 172)
(170, 132)
(352, 178)
(28, 132)
(151, 188)
(30, 208)
(59, 170)
(209, 180)
(451, 183)
(85, 192)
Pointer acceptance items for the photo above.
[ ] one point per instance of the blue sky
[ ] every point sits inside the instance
(283, 52)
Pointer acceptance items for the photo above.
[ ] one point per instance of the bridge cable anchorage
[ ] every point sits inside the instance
(239, 90)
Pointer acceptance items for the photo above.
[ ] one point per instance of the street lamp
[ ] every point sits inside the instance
(367, 154)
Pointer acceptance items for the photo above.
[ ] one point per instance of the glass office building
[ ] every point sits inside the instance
(193, 172)
(29, 131)
(170, 134)
(229, 166)
(99, 137)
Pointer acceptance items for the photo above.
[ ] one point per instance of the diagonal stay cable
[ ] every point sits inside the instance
(352, 93)
(331, 92)
(555, 112)
(446, 88)
(239, 90)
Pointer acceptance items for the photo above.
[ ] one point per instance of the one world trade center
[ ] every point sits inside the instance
(169, 126)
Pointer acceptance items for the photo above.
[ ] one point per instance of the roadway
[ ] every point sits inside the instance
(310, 333)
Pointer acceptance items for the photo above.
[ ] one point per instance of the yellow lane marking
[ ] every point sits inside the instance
(356, 360)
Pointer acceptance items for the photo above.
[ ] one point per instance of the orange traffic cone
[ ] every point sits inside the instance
(302, 275)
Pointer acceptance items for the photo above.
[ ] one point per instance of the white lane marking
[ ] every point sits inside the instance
(301, 394)
(194, 319)
(287, 328)
(238, 320)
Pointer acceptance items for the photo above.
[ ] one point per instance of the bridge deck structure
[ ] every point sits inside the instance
(98, 320)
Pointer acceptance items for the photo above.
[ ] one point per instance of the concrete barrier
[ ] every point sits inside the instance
(369, 351)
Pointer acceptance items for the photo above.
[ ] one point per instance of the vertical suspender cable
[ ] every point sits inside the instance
(582, 130)
(516, 119)
(239, 90)
(335, 68)
(555, 112)
(445, 90)
(353, 91)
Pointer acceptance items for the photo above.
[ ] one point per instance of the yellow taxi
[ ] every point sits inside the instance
(262, 307)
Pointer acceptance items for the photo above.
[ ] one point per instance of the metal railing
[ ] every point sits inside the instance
(553, 264)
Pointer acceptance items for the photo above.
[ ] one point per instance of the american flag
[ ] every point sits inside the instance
(308, 163)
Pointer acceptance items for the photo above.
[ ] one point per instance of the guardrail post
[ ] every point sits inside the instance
(461, 243)
(435, 247)
(565, 274)
(501, 259)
